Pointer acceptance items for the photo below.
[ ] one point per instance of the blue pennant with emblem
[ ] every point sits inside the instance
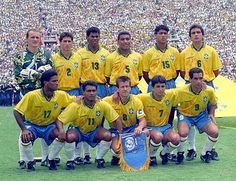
(134, 152)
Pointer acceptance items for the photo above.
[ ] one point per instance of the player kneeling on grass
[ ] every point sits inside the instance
(157, 107)
(130, 110)
(36, 114)
(87, 118)
(192, 110)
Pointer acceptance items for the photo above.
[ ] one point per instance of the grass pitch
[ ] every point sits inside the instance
(225, 169)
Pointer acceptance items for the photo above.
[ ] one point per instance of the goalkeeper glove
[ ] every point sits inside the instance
(29, 74)
(44, 68)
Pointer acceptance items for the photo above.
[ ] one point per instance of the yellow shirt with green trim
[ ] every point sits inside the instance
(119, 65)
(88, 119)
(129, 112)
(166, 63)
(93, 65)
(206, 58)
(158, 112)
(38, 110)
(191, 104)
(68, 70)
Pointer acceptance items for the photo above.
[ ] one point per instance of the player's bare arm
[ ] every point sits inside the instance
(26, 135)
(61, 134)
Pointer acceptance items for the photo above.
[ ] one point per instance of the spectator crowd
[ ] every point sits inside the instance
(139, 17)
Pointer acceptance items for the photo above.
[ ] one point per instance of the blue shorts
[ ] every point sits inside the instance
(87, 137)
(134, 90)
(74, 92)
(130, 129)
(199, 121)
(41, 131)
(170, 84)
(163, 129)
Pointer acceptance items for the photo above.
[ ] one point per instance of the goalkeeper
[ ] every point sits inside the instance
(30, 63)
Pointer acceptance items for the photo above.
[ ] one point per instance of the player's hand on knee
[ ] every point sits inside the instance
(137, 131)
(26, 136)
(61, 136)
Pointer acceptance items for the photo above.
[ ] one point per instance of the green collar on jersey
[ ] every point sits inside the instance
(157, 48)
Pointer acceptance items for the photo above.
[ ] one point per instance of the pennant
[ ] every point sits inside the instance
(134, 154)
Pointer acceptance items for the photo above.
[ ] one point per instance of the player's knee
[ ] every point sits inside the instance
(213, 132)
(175, 139)
(107, 136)
(71, 136)
(156, 136)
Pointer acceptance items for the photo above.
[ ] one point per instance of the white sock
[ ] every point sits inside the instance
(78, 149)
(210, 142)
(191, 138)
(86, 148)
(153, 148)
(44, 149)
(21, 152)
(102, 149)
(181, 144)
(27, 150)
(168, 148)
(55, 149)
(70, 151)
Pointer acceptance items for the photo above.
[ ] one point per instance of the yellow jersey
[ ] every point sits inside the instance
(206, 59)
(129, 112)
(93, 65)
(191, 104)
(158, 112)
(119, 65)
(68, 70)
(166, 63)
(88, 119)
(38, 110)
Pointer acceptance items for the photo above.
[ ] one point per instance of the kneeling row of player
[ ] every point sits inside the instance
(37, 111)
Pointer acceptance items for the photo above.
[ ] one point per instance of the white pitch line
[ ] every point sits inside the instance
(227, 127)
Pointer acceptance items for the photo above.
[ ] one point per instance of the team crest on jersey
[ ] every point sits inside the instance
(102, 58)
(205, 99)
(55, 105)
(172, 57)
(98, 113)
(135, 62)
(206, 56)
(140, 112)
(131, 111)
(76, 65)
(167, 102)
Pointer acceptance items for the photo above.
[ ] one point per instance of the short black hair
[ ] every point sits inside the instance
(92, 30)
(122, 79)
(123, 33)
(193, 71)
(161, 27)
(89, 83)
(158, 79)
(65, 34)
(46, 76)
(195, 26)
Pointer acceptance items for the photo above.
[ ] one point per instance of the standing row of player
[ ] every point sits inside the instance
(95, 63)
